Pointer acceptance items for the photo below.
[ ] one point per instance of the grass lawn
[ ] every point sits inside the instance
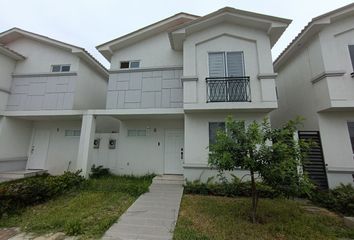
(208, 217)
(87, 212)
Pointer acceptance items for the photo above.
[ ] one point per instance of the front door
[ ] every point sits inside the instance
(38, 149)
(174, 151)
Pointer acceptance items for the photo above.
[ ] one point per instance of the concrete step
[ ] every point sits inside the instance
(169, 179)
(11, 175)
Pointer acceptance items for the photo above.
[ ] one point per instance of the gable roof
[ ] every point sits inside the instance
(15, 33)
(311, 29)
(11, 53)
(274, 26)
(106, 49)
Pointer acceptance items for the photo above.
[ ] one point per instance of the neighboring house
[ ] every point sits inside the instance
(315, 80)
(45, 85)
(171, 86)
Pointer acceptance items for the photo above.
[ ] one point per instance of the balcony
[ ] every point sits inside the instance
(228, 89)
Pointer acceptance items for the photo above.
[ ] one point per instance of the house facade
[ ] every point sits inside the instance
(170, 87)
(315, 80)
(173, 83)
(45, 86)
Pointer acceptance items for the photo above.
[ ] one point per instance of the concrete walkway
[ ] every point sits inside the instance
(152, 216)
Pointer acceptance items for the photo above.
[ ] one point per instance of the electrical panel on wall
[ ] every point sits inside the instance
(96, 143)
(112, 143)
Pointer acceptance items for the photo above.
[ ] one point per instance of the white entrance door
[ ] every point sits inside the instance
(38, 149)
(174, 151)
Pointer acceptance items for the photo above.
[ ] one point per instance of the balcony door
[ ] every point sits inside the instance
(226, 82)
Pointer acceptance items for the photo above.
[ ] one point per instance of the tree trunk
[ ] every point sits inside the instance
(254, 198)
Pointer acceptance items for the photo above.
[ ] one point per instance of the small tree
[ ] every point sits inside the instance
(273, 154)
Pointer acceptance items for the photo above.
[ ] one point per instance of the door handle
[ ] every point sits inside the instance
(32, 149)
(181, 153)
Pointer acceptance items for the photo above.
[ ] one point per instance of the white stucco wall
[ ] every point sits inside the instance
(61, 149)
(7, 66)
(152, 52)
(40, 56)
(296, 96)
(326, 52)
(91, 89)
(337, 147)
(228, 37)
(15, 136)
(197, 132)
(335, 139)
(197, 141)
(144, 154)
(335, 39)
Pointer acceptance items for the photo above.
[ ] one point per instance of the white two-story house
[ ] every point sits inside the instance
(45, 87)
(171, 86)
(315, 80)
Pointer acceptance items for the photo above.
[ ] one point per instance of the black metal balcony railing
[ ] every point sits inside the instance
(228, 89)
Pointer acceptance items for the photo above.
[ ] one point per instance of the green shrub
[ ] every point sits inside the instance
(236, 188)
(99, 171)
(17, 194)
(339, 199)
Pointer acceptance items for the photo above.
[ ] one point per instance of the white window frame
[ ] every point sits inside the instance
(61, 67)
(130, 64)
(74, 133)
(137, 132)
(225, 61)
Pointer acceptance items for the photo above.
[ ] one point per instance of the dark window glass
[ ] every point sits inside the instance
(214, 127)
(351, 52)
(351, 133)
(56, 68)
(124, 64)
(65, 68)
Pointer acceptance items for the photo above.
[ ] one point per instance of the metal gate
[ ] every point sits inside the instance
(314, 163)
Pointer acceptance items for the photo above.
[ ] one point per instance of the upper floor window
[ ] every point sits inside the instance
(129, 64)
(226, 64)
(61, 68)
(351, 52)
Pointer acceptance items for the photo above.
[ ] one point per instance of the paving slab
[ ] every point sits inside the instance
(152, 216)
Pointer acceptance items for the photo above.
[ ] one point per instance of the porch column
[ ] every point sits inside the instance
(88, 129)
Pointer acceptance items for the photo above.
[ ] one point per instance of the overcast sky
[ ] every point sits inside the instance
(88, 23)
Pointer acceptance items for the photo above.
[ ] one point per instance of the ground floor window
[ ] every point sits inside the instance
(136, 132)
(72, 133)
(351, 133)
(213, 129)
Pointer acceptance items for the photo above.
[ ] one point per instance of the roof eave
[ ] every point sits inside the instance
(152, 27)
(11, 54)
(96, 66)
(309, 31)
(313, 27)
(81, 52)
(273, 28)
